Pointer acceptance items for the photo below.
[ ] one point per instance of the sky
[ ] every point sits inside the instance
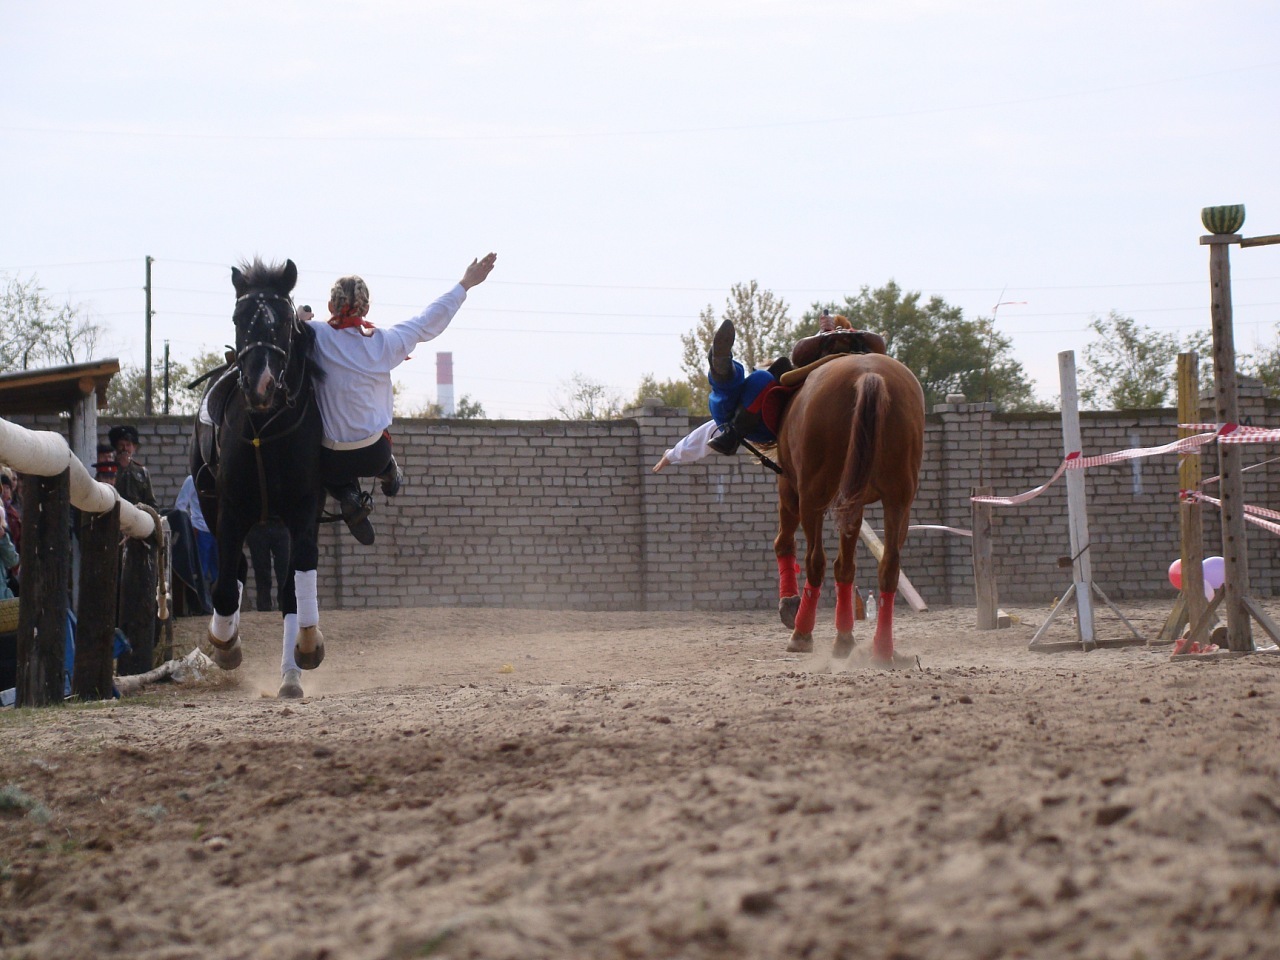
(630, 163)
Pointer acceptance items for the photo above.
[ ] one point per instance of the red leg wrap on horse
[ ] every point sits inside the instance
(808, 613)
(844, 607)
(787, 570)
(882, 644)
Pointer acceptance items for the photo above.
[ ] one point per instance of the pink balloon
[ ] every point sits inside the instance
(1175, 575)
(1215, 572)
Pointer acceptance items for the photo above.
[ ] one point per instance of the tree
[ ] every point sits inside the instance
(670, 393)
(126, 394)
(1130, 367)
(763, 331)
(467, 409)
(1264, 364)
(35, 332)
(582, 398)
(946, 352)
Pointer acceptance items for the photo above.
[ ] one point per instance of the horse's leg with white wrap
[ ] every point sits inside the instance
(309, 650)
(290, 672)
(224, 635)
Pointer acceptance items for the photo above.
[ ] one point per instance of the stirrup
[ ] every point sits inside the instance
(355, 511)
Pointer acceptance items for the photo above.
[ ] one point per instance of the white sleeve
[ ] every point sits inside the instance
(693, 447)
(400, 339)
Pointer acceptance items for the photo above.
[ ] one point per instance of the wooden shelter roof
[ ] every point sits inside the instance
(55, 389)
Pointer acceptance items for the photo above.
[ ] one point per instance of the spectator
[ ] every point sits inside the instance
(105, 468)
(8, 562)
(132, 480)
(12, 510)
(206, 544)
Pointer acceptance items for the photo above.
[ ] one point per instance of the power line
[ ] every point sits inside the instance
(366, 137)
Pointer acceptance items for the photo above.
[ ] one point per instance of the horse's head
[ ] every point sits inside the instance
(265, 327)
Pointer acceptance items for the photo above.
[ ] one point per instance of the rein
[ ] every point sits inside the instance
(764, 459)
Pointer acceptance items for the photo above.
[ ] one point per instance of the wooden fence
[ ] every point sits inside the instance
(110, 591)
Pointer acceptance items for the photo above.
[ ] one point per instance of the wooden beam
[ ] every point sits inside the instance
(45, 597)
(984, 573)
(96, 609)
(138, 606)
(1260, 241)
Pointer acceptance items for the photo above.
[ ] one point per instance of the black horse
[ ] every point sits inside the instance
(256, 451)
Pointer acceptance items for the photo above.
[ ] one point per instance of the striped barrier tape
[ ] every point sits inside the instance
(1074, 461)
(1258, 516)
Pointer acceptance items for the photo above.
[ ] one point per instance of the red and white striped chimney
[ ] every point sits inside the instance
(444, 384)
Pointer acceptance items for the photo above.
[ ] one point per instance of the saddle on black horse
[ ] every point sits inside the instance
(223, 382)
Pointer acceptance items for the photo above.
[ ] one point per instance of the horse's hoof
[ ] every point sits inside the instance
(308, 650)
(843, 647)
(291, 686)
(788, 607)
(800, 643)
(227, 654)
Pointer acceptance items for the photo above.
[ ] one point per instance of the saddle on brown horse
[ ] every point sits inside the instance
(820, 345)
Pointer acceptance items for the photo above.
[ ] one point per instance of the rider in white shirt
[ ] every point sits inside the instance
(355, 395)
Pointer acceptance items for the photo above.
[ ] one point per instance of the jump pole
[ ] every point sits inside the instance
(1082, 586)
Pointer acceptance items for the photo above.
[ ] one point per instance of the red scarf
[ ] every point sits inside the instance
(344, 320)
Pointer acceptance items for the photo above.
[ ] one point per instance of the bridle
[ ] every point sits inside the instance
(262, 308)
(262, 303)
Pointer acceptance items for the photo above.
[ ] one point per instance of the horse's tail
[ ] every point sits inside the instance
(870, 410)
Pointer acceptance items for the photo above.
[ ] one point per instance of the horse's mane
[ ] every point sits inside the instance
(258, 273)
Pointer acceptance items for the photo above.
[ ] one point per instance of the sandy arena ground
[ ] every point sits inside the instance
(523, 784)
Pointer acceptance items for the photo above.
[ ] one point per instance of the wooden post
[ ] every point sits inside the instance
(1189, 514)
(984, 574)
(1235, 554)
(96, 612)
(45, 596)
(138, 605)
(1077, 514)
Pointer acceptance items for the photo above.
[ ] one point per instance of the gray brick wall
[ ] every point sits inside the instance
(556, 514)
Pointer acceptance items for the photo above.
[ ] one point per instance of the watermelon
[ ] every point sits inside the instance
(1226, 219)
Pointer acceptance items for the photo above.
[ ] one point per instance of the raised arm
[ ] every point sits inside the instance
(478, 271)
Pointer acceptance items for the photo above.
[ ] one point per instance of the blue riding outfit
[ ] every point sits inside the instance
(740, 391)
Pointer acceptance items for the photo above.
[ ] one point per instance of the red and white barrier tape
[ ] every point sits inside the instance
(1253, 514)
(1074, 461)
(1237, 432)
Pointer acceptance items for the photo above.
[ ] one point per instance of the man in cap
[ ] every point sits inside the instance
(132, 480)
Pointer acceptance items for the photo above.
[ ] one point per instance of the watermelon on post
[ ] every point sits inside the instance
(1226, 219)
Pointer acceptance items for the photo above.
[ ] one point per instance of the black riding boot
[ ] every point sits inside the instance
(720, 357)
(391, 479)
(735, 431)
(356, 505)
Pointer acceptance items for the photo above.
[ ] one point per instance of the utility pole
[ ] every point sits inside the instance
(147, 381)
(166, 378)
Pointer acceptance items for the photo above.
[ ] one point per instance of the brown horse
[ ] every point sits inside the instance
(852, 435)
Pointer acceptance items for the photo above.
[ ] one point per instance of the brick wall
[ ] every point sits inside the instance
(556, 514)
